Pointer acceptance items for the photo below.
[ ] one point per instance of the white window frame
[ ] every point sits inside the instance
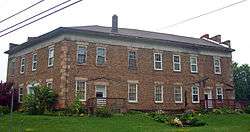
(20, 93)
(178, 93)
(77, 54)
(177, 63)
(22, 65)
(136, 93)
(33, 84)
(217, 66)
(34, 62)
(49, 81)
(105, 52)
(222, 96)
(160, 101)
(135, 59)
(191, 64)
(155, 61)
(198, 92)
(12, 67)
(85, 89)
(51, 55)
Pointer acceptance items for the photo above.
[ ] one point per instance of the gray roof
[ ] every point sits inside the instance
(124, 32)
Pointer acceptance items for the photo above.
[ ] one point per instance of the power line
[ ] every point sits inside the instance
(204, 14)
(41, 18)
(35, 15)
(22, 11)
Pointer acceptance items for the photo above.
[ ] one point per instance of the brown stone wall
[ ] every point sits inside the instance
(116, 74)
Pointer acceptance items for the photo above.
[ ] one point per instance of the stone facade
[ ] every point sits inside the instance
(115, 74)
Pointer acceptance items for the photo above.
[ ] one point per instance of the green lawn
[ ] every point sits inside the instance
(125, 123)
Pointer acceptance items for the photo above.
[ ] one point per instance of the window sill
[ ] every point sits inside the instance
(178, 102)
(50, 66)
(83, 64)
(159, 102)
(194, 72)
(195, 102)
(158, 69)
(82, 100)
(179, 71)
(217, 73)
(133, 102)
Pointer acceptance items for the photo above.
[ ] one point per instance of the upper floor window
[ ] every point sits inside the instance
(217, 65)
(195, 94)
(34, 62)
(50, 56)
(81, 90)
(193, 64)
(22, 65)
(176, 63)
(159, 94)
(158, 61)
(100, 56)
(219, 93)
(178, 94)
(12, 66)
(81, 54)
(132, 92)
(132, 60)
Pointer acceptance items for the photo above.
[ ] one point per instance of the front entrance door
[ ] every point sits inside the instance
(208, 98)
(100, 91)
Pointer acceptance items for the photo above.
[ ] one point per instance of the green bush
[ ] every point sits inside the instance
(4, 110)
(159, 117)
(42, 100)
(189, 119)
(247, 110)
(103, 112)
(75, 108)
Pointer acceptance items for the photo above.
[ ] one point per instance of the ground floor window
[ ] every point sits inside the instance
(132, 92)
(81, 90)
(219, 93)
(159, 93)
(178, 94)
(20, 94)
(195, 94)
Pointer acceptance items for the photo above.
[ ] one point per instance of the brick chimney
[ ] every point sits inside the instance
(114, 24)
(216, 38)
(205, 36)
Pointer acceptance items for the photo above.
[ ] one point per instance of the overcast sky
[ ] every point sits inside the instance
(232, 23)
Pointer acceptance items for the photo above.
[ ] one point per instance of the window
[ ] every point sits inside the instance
(34, 62)
(30, 87)
(81, 54)
(81, 90)
(51, 56)
(22, 67)
(219, 93)
(159, 94)
(178, 94)
(12, 66)
(217, 66)
(193, 64)
(176, 62)
(132, 60)
(157, 61)
(195, 94)
(132, 92)
(49, 84)
(20, 94)
(101, 56)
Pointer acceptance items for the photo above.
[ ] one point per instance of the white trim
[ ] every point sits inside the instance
(105, 52)
(158, 61)
(105, 86)
(31, 85)
(136, 95)
(161, 101)
(32, 64)
(22, 65)
(178, 93)
(222, 95)
(177, 63)
(218, 66)
(85, 89)
(130, 50)
(198, 92)
(84, 46)
(20, 86)
(196, 64)
(51, 55)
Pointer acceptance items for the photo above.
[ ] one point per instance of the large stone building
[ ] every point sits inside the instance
(148, 70)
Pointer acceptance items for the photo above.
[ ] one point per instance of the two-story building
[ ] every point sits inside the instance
(148, 70)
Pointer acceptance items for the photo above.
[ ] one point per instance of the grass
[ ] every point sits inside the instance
(122, 123)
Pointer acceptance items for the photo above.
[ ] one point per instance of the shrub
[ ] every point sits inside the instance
(5, 95)
(247, 110)
(4, 110)
(75, 108)
(103, 112)
(189, 119)
(42, 100)
(159, 117)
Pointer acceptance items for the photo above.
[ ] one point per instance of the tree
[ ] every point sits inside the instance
(43, 99)
(241, 75)
(5, 95)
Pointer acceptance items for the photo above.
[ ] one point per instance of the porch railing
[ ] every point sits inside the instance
(217, 103)
(114, 104)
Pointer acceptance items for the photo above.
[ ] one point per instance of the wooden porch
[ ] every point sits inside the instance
(216, 103)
